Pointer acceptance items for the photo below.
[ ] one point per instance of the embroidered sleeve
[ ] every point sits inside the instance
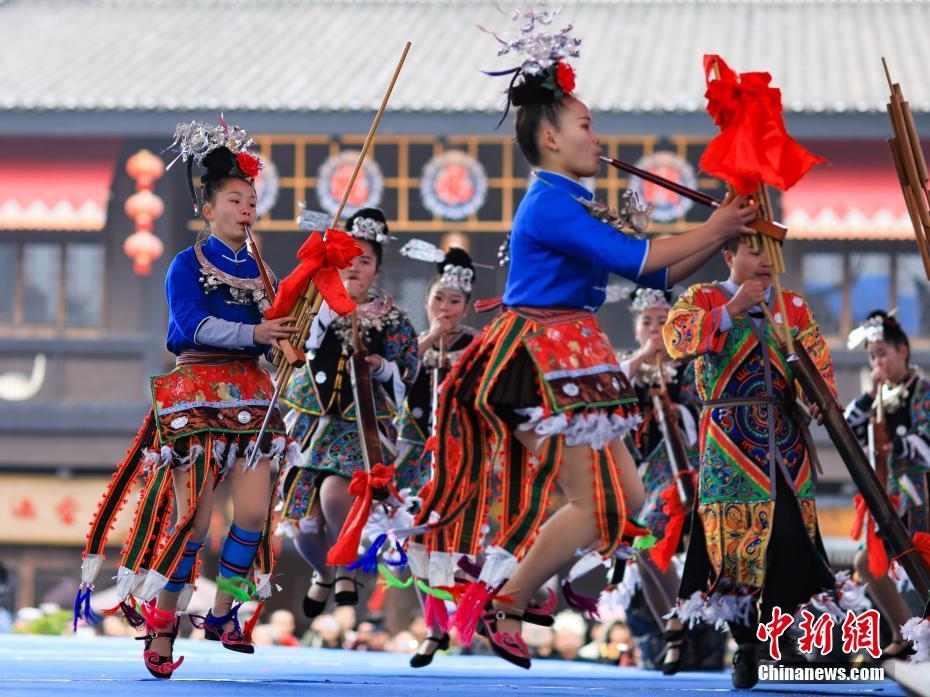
(403, 344)
(693, 325)
(400, 357)
(915, 444)
(808, 334)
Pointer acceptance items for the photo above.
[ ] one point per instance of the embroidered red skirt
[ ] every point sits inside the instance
(553, 372)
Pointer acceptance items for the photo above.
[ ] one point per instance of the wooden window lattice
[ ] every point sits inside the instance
(401, 160)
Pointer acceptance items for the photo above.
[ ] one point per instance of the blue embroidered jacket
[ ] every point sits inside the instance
(190, 303)
(561, 256)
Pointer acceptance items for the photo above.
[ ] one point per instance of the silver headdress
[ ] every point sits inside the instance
(870, 331)
(452, 275)
(370, 229)
(649, 299)
(313, 221)
(458, 278)
(542, 57)
(194, 141)
(538, 49)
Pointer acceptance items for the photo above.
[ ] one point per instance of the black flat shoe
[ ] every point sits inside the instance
(314, 608)
(745, 671)
(421, 660)
(347, 597)
(674, 641)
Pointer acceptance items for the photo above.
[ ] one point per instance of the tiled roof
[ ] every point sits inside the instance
(280, 55)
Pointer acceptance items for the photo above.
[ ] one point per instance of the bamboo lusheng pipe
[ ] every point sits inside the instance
(910, 167)
(879, 445)
(312, 298)
(674, 443)
(363, 392)
(308, 305)
(293, 355)
(760, 225)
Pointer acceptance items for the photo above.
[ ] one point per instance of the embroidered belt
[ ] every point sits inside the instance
(551, 315)
(212, 358)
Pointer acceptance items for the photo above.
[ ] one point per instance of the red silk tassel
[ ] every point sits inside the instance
(345, 551)
(253, 620)
(436, 614)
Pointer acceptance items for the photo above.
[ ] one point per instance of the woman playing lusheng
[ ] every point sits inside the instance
(663, 513)
(447, 297)
(540, 393)
(206, 416)
(905, 403)
(315, 493)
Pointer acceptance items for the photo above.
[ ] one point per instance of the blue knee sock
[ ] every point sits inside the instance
(239, 552)
(185, 568)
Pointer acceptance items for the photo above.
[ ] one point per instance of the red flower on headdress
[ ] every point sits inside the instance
(249, 164)
(565, 78)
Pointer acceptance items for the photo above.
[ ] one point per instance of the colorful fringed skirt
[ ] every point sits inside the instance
(546, 370)
(205, 415)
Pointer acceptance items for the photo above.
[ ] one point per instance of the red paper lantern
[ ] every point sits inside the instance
(145, 167)
(144, 207)
(143, 248)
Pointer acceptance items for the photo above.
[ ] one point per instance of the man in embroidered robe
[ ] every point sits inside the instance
(755, 543)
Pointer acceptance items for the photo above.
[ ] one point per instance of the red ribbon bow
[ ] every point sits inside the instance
(754, 145)
(320, 261)
(362, 486)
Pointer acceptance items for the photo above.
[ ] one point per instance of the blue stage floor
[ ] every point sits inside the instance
(33, 665)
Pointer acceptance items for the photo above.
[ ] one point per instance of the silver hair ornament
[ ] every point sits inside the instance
(198, 138)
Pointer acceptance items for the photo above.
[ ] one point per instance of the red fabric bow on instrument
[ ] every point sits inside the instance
(362, 486)
(753, 146)
(320, 261)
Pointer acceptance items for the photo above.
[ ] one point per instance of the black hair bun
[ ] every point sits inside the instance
(218, 164)
(456, 256)
(530, 90)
